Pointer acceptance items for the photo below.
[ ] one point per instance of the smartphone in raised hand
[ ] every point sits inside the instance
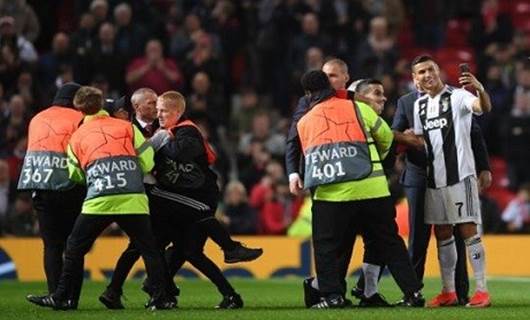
(464, 67)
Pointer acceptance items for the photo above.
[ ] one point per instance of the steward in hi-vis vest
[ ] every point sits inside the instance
(334, 143)
(112, 156)
(45, 164)
(56, 199)
(341, 142)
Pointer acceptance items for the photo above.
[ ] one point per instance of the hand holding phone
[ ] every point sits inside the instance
(464, 68)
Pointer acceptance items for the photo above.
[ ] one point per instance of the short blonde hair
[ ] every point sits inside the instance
(174, 99)
(88, 100)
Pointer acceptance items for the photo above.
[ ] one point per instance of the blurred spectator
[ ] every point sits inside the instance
(242, 114)
(238, 216)
(153, 70)
(26, 21)
(180, 43)
(503, 55)
(276, 214)
(10, 66)
(21, 219)
(82, 42)
(314, 59)
(130, 37)
(82, 39)
(8, 35)
(515, 132)
(491, 26)
(500, 98)
(310, 37)
(252, 165)
(521, 98)
(377, 54)
(17, 124)
(203, 58)
(521, 42)
(28, 90)
(262, 132)
(49, 63)
(4, 193)
(429, 21)
(203, 99)
(106, 61)
(517, 214)
(271, 198)
(100, 10)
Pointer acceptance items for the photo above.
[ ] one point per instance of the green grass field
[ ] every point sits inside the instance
(265, 299)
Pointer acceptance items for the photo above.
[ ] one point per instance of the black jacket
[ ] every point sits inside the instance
(181, 167)
(293, 149)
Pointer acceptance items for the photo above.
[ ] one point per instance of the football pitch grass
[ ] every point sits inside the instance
(264, 299)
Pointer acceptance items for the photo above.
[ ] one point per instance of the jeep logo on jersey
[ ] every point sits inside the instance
(432, 124)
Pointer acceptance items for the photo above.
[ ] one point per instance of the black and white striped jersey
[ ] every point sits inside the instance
(445, 123)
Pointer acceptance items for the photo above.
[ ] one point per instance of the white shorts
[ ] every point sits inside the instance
(455, 204)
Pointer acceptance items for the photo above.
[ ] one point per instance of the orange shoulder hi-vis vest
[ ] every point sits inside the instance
(104, 147)
(334, 143)
(45, 163)
(211, 155)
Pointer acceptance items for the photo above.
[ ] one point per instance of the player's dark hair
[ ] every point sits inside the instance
(314, 81)
(421, 58)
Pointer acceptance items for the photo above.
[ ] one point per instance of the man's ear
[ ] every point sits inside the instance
(347, 76)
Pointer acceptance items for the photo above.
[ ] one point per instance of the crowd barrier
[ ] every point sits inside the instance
(22, 258)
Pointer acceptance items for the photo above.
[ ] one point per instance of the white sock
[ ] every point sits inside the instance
(477, 258)
(371, 277)
(314, 283)
(447, 258)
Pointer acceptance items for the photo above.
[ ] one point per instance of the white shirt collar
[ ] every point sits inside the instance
(142, 123)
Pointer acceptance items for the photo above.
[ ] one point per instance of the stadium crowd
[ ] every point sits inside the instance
(239, 64)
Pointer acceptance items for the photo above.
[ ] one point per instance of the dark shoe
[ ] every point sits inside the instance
(463, 301)
(172, 291)
(50, 302)
(233, 301)
(165, 303)
(111, 299)
(375, 301)
(241, 253)
(416, 300)
(331, 302)
(357, 293)
(311, 295)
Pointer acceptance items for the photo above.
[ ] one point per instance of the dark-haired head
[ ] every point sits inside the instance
(420, 59)
(315, 81)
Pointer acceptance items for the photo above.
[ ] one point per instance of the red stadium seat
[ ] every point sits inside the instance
(521, 7)
(457, 32)
(450, 58)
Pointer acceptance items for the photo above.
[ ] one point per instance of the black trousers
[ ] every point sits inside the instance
(333, 225)
(183, 226)
(86, 229)
(419, 236)
(56, 213)
(188, 245)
